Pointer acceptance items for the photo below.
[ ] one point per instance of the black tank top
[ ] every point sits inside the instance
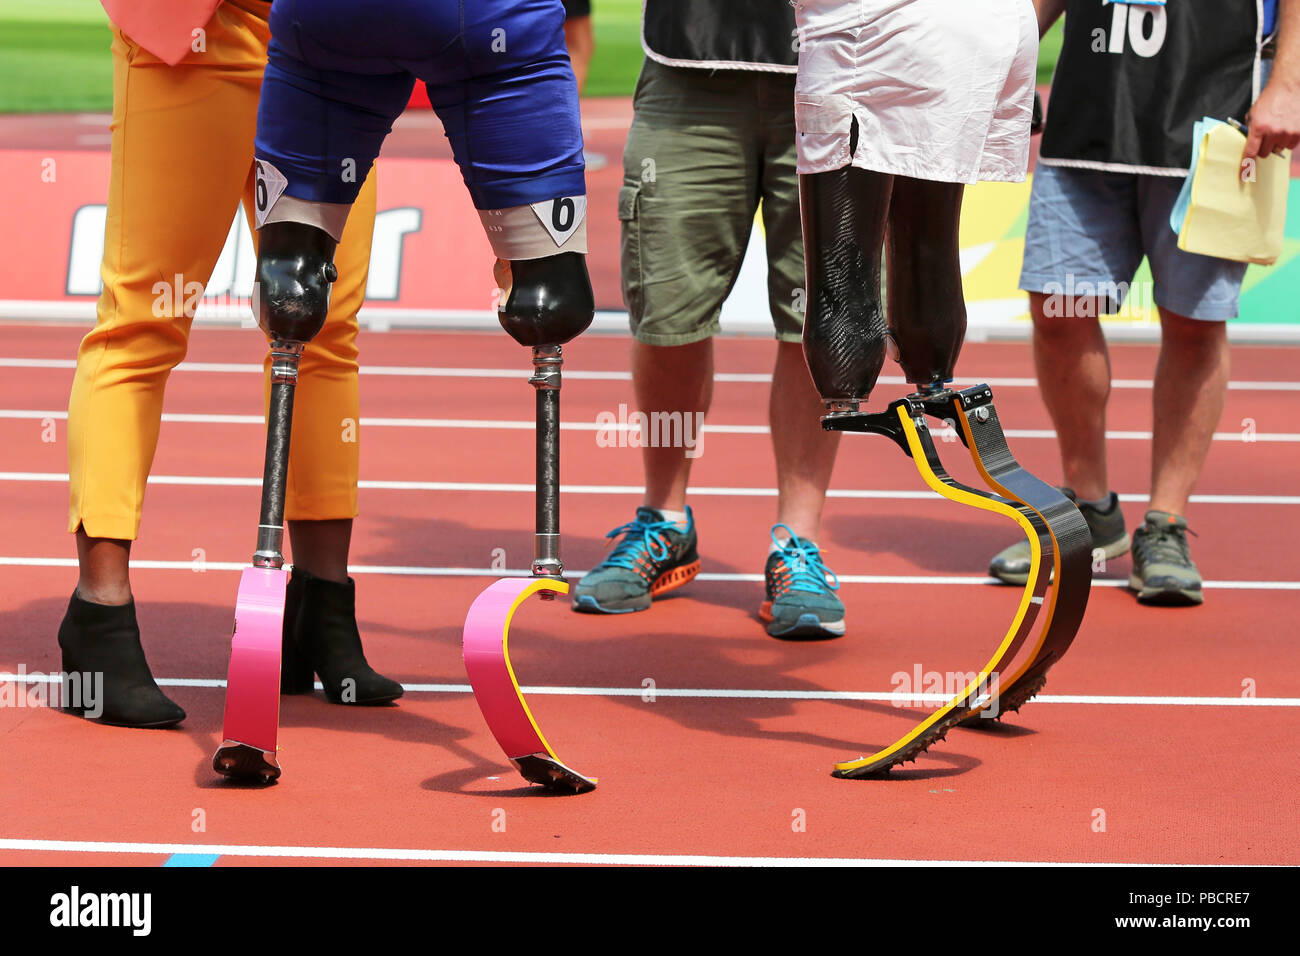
(1133, 79)
(721, 34)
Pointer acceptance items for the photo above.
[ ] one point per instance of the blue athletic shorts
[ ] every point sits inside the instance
(497, 72)
(1088, 231)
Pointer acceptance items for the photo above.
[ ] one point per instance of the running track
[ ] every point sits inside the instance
(1144, 722)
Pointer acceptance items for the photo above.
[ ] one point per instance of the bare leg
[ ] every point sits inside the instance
(805, 454)
(104, 569)
(321, 547)
(927, 308)
(671, 378)
(1073, 367)
(1191, 383)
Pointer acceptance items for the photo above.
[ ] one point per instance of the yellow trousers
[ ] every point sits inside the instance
(182, 159)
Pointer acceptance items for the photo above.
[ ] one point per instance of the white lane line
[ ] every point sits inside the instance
(495, 424)
(506, 487)
(204, 418)
(509, 856)
(450, 572)
(400, 371)
(731, 693)
(619, 376)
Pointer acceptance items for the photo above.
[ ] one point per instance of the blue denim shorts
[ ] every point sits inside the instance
(1088, 231)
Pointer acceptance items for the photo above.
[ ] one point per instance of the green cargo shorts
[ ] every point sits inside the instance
(706, 148)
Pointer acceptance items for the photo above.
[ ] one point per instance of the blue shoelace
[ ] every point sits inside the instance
(627, 551)
(807, 571)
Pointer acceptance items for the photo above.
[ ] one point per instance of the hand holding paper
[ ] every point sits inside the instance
(1274, 122)
(1230, 207)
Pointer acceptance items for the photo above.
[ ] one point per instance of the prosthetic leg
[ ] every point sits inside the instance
(848, 215)
(324, 108)
(549, 301)
(294, 271)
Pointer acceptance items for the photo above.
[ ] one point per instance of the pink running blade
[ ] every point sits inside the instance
(487, 661)
(253, 684)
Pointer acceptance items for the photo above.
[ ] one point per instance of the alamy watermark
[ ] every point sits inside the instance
(82, 691)
(1085, 299)
(919, 687)
(624, 429)
(76, 908)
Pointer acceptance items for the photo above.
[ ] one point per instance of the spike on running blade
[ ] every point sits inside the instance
(1010, 704)
(242, 762)
(881, 768)
(1024, 695)
(544, 770)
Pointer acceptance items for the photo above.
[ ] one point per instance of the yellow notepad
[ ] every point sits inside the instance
(1228, 216)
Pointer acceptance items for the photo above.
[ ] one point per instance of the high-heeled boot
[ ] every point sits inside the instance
(102, 639)
(321, 637)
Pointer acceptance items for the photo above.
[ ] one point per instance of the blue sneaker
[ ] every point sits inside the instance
(652, 557)
(801, 599)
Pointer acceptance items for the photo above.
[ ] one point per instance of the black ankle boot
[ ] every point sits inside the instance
(101, 639)
(321, 637)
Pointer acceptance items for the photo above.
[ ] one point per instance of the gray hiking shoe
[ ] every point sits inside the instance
(1163, 572)
(1109, 536)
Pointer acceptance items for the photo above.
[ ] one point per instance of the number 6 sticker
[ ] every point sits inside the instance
(561, 217)
(269, 187)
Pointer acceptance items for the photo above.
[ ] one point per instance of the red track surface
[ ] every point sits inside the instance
(1193, 783)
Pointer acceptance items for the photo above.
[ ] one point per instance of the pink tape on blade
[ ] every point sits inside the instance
(253, 684)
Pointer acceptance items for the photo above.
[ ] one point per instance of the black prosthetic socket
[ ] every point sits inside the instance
(294, 270)
(550, 299)
(927, 310)
(844, 334)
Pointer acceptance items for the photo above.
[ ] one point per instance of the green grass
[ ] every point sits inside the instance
(54, 57)
(54, 54)
(53, 11)
(59, 68)
(1049, 48)
(617, 58)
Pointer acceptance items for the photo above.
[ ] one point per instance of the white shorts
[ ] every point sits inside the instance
(941, 89)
